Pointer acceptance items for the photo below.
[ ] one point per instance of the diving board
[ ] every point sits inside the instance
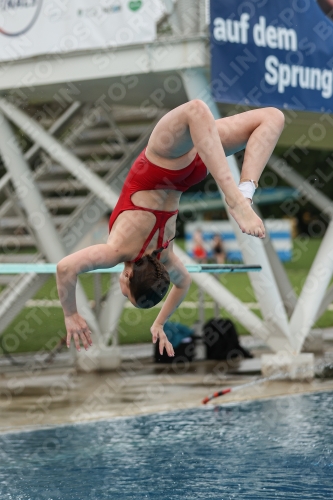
(48, 268)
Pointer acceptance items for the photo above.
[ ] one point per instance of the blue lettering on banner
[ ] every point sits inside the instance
(272, 53)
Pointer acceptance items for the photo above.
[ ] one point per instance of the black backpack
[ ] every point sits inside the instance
(221, 340)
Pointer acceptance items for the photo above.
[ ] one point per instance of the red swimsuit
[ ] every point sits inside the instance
(145, 176)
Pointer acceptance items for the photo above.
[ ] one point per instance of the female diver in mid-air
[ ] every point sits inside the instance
(184, 146)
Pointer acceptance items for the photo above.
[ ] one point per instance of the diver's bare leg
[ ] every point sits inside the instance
(257, 131)
(192, 124)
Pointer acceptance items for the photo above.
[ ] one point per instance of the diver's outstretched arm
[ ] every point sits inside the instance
(181, 280)
(100, 256)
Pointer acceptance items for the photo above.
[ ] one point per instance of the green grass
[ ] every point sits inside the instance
(40, 328)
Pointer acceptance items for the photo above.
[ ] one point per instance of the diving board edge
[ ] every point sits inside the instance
(48, 268)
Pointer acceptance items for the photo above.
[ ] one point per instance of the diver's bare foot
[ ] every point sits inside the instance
(246, 218)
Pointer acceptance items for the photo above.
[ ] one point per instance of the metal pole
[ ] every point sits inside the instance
(188, 14)
(286, 290)
(265, 288)
(216, 310)
(327, 300)
(313, 290)
(111, 312)
(287, 173)
(97, 292)
(201, 306)
(288, 295)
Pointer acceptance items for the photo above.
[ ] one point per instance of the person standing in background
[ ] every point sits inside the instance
(218, 249)
(199, 251)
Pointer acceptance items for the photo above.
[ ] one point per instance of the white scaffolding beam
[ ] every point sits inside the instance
(287, 292)
(59, 153)
(313, 291)
(287, 173)
(288, 295)
(111, 312)
(314, 299)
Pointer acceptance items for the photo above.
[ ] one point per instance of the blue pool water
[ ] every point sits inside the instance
(279, 448)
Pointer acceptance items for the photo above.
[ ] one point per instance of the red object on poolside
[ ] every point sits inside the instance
(216, 395)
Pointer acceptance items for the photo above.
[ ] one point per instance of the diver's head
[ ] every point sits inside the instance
(146, 281)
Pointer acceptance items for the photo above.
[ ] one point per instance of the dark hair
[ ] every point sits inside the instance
(150, 280)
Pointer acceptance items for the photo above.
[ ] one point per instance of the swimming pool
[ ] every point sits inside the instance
(278, 448)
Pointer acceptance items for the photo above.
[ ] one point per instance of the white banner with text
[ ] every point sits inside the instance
(34, 27)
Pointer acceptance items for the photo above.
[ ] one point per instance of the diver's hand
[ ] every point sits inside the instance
(77, 328)
(158, 333)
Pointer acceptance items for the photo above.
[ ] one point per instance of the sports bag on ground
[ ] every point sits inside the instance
(221, 340)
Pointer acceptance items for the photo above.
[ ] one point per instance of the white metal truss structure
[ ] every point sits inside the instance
(88, 149)
(288, 319)
(315, 295)
(58, 235)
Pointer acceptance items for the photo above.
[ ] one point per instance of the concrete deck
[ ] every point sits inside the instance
(35, 399)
